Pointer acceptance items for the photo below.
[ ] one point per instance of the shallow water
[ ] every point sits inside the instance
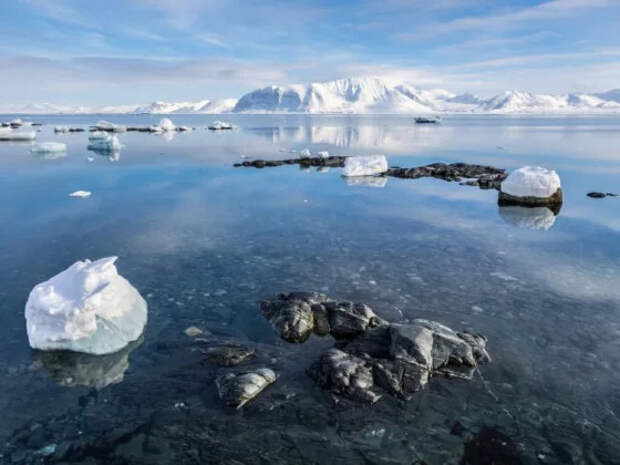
(204, 242)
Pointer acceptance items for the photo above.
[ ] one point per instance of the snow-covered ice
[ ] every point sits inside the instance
(365, 166)
(323, 154)
(18, 135)
(81, 194)
(305, 153)
(86, 308)
(538, 218)
(110, 127)
(108, 144)
(167, 125)
(531, 181)
(48, 147)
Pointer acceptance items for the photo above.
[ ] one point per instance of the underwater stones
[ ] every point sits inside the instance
(296, 315)
(228, 355)
(86, 308)
(349, 319)
(531, 186)
(344, 374)
(236, 389)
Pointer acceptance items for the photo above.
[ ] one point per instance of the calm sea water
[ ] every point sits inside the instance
(204, 242)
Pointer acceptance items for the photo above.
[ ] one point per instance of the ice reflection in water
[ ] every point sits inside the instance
(366, 181)
(539, 218)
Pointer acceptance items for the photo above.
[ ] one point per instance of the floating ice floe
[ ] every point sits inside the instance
(18, 135)
(156, 128)
(167, 125)
(365, 166)
(107, 144)
(81, 194)
(86, 308)
(537, 218)
(109, 127)
(531, 186)
(367, 181)
(323, 154)
(18, 123)
(305, 153)
(221, 125)
(48, 147)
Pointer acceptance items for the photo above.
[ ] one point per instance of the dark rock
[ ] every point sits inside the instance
(486, 177)
(228, 355)
(600, 195)
(333, 161)
(236, 389)
(346, 375)
(348, 319)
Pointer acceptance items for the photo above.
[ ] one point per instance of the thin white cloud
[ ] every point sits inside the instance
(58, 10)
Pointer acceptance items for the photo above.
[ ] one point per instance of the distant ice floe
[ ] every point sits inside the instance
(86, 308)
(221, 125)
(367, 181)
(323, 154)
(48, 147)
(537, 218)
(365, 166)
(7, 134)
(109, 127)
(81, 194)
(531, 181)
(305, 153)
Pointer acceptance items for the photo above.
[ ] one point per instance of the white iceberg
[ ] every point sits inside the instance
(305, 153)
(365, 166)
(48, 147)
(220, 125)
(107, 144)
(537, 218)
(98, 135)
(531, 181)
(110, 127)
(86, 308)
(167, 125)
(18, 135)
(81, 194)
(323, 154)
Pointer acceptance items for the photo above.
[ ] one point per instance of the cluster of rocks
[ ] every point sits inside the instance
(486, 177)
(371, 355)
(330, 161)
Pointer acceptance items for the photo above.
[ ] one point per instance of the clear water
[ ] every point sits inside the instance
(204, 242)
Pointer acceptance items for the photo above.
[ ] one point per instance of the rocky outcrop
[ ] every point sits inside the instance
(601, 195)
(236, 389)
(298, 314)
(330, 161)
(478, 175)
(371, 355)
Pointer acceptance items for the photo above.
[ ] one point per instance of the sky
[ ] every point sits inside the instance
(137, 51)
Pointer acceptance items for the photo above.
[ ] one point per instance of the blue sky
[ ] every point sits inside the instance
(136, 51)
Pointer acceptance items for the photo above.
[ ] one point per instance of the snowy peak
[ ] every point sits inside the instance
(202, 106)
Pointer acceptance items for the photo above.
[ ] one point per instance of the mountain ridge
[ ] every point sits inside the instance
(369, 95)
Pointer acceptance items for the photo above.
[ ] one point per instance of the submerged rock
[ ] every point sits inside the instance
(86, 308)
(228, 355)
(346, 375)
(236, 389)
(296, 315)
(365, 166)
(531, 186)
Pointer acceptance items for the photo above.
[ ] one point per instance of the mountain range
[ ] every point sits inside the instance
(357, 96)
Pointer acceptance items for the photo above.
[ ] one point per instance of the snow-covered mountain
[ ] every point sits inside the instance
(358, 95)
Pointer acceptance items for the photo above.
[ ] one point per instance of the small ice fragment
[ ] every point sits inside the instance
(365, 166)
(305, 153)
(323, 154)
(107, 144)
(81, 194)
(193, 331)
(167, 125)
(531, 181)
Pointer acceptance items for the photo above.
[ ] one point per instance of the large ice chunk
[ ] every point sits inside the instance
(86, 308)
(531, 181)
(167, 125)
(106, 144)
(48, 147)
(365, 166)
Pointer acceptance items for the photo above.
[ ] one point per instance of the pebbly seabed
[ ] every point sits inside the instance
(204, 243)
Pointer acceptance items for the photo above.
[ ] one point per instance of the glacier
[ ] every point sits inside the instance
(86, 308)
